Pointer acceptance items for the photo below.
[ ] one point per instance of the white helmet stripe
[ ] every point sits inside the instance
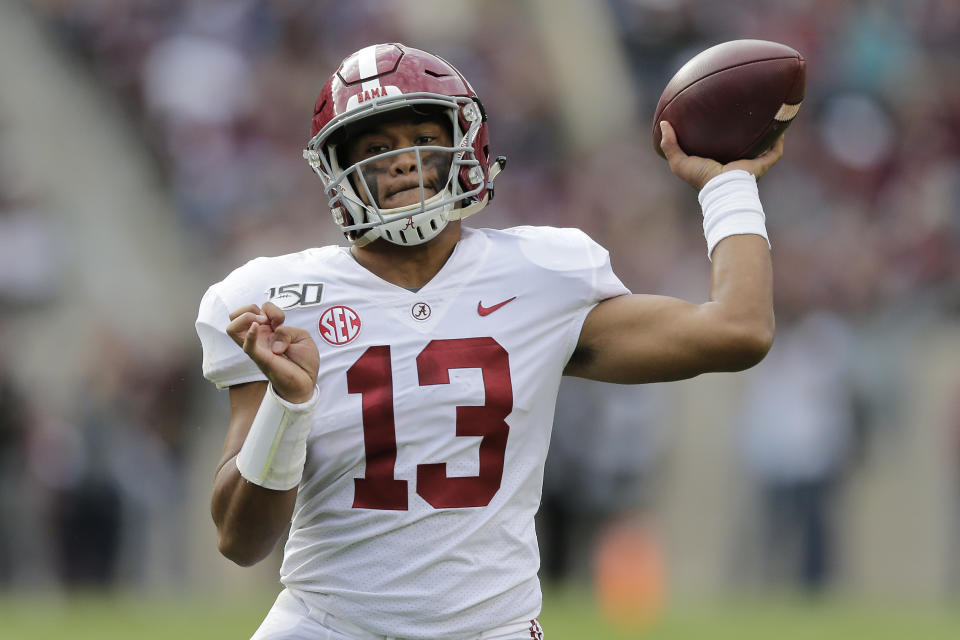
(367, 61)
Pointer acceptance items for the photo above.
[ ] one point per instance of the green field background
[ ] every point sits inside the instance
(566, 616)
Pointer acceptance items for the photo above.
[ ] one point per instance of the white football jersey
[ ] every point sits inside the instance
(415, 515)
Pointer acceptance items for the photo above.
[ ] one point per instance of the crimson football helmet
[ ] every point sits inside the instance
(386, 77)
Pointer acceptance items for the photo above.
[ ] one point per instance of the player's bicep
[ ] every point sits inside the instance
(245, 400)
(643, 338)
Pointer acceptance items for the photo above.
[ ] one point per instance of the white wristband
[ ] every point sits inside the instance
(731, 206)
(275, 450)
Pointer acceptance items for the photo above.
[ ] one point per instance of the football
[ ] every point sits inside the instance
(733, 100)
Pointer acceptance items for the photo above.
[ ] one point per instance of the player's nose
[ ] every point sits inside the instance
(404, 163)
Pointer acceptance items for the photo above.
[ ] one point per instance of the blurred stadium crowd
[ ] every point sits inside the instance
(864, 216)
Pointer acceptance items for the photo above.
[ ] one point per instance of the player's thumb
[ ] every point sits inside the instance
(298, 347)
(668, 140)
(274, 314)
(281, 341)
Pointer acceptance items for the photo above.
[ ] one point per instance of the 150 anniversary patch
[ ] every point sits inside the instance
(288, 296)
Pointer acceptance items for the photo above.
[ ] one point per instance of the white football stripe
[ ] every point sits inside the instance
(787, 112)
(368, 67)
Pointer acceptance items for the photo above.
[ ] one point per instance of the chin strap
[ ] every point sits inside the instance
(366, 237)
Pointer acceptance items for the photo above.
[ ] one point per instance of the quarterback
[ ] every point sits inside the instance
(391, 400)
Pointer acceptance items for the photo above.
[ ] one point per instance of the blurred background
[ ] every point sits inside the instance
(148, 147)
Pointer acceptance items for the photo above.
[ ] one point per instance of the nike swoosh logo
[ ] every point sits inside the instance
(485, 311)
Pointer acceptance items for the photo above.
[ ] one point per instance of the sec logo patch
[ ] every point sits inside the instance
(339, 325)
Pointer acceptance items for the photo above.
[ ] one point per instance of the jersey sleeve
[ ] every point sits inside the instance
(224, 362)
(577, 258)
(597, 279)
(603, 282)
(580, 267)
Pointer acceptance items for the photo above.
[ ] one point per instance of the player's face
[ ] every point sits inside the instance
(395, 181)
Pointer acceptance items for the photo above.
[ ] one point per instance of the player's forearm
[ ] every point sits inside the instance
(249, 519)
(741, 301)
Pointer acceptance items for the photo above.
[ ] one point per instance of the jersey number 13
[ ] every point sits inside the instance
(372, 377)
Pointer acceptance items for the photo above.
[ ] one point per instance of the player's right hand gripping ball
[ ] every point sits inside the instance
(733, 100)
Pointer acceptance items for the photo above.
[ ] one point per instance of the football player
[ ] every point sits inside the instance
(391, 401)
